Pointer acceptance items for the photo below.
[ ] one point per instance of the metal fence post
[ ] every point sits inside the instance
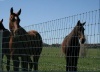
(1, 50)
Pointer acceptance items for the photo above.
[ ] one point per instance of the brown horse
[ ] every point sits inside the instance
(24, 44)
(5, 44)
(71, 46)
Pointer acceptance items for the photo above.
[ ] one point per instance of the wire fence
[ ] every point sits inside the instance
(0, 49)
(53, 32)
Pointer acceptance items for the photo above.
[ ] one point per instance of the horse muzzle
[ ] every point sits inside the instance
(82, 40)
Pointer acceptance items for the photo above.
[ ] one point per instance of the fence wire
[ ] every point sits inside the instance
(53, 32)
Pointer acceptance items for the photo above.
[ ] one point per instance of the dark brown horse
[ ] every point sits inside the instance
(5, 44)
(71, 46)
(24, 44)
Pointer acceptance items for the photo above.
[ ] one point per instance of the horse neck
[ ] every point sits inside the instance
(74, 33)
(10, 23)
(73, 37)
(3, 28)
(5, 31)
(21, 31)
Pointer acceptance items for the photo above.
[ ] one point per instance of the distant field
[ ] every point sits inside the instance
(52, 60)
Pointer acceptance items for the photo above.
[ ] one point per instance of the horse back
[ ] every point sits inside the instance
(32, 32)
(35, 35)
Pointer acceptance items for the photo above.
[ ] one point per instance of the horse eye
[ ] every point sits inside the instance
(11, 17)
(15, 17)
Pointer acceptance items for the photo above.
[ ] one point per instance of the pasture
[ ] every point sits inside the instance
(52, 60)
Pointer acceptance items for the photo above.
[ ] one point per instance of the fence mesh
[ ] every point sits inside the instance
(53, 32)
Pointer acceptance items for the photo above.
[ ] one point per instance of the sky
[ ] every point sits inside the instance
(39, 11)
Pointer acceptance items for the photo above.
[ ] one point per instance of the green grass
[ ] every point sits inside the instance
(52, 59)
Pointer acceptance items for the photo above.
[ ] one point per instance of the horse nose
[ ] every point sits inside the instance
(83, 40)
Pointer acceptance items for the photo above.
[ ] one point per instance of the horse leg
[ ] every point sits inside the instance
(30, 64)
(75, 59)
(15, 62)
(68, 60)
(36, 59)
(8, 62)
(74, 63)
(71, 63)
(24, 63)
(68, 63)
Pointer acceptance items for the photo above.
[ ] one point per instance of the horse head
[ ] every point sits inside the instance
(14, 20)
(80, 31)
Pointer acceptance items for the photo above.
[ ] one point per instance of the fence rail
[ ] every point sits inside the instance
(53, 32)
(1, 49)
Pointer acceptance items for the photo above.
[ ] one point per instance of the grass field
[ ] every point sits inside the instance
(53, 60)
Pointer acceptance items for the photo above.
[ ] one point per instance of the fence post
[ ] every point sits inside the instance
(1, 49)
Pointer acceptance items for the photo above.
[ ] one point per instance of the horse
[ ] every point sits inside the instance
(5, 44)
(24, 44)
(71, 46)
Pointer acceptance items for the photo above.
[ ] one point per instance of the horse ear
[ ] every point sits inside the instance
(19, 12)
(2, 20)
(83, 23)
(78, 23)
(11, 10)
